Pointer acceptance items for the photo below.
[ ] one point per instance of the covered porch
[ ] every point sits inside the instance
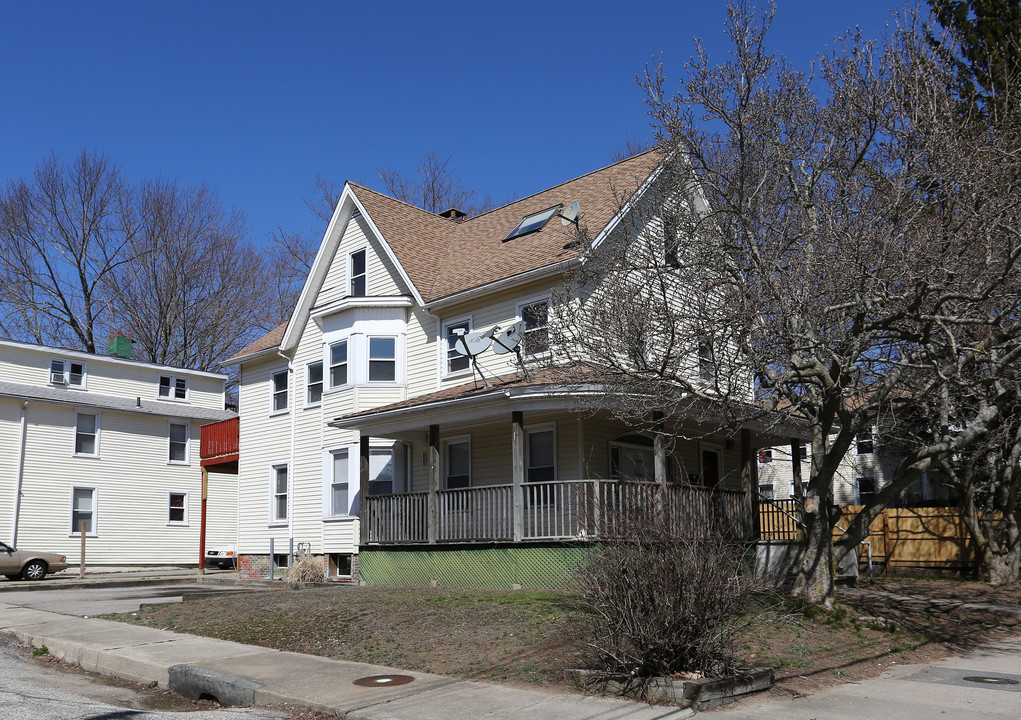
(528, 462)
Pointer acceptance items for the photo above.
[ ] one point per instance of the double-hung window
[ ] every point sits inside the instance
(457, 463)
(455, 362)
(357, 273)
(339, 499)
(173, 388)
(381, 471)
(536, 318)
(865, 487)
(83, 510)
(68, 373)
(279, 385)
(179, 436)
(338, 364)
(382, 359)
(86, 434)
(865, 442)
(278, 494)
(313, 384)
(177, 508)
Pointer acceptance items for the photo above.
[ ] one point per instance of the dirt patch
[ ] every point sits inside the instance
(527, 637)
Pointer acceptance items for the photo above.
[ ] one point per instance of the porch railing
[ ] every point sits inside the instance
(578, 510)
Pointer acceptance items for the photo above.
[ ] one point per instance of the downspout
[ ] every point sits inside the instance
(292, 392)
(21, 473)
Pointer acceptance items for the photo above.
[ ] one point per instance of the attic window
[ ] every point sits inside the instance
(533, 222)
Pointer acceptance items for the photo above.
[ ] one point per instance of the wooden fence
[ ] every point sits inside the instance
(922, 537)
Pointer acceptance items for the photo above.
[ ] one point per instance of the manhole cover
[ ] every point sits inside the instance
(383, 680)
(987, 680)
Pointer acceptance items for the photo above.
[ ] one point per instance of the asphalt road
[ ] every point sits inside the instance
(102, 600)
(30, 690)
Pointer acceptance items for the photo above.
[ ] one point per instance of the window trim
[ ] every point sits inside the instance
(369, 360)
(445, 459)
(174, 379)
(274, 470)
(308, 384)
(65, 373)
(170, 442)
(273, 392)
(445, 349)
(351, 277)
(98, 434)
(548, 299)
(177, 523)
(75, 531)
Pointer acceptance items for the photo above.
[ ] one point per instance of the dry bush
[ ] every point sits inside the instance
(657, 602)
(308, 569)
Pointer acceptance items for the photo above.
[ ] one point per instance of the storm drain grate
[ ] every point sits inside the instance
(383, 680)
(990, 680)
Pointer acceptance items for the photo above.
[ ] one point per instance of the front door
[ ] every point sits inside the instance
(710, 467)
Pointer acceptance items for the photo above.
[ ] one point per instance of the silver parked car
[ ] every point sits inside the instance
(29, 565)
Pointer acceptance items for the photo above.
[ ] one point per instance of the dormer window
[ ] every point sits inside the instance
(173, 388)
(68, 373)
(358, 273)
(533, 222)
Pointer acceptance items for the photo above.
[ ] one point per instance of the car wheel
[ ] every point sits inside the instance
(35, 570)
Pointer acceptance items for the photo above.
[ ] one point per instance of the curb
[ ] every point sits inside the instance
(198, 684)
(87, 584)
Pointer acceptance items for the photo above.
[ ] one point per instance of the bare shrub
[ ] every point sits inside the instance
(307, 569)
(656, 601)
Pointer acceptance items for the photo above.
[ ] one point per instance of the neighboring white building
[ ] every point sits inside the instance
(364, 375)
(110, 442)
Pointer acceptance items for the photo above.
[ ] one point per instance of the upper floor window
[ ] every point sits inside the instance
(865, 442)
(67, 372)
(357, 275)
(313, 384)
(453, 361)
(279, 383)
(765, 456)
(865, 488)
(382, 359)
(338, 364)
(179, 436)
(173, 388)
(706, 363)
(86, 434)
(536, 318)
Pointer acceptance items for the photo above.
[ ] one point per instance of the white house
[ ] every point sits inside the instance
(358, 408)
(111, 443)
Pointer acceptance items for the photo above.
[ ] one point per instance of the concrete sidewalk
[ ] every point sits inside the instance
(193, 665)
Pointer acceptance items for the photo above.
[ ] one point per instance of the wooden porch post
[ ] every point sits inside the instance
(796, 467)
(518, 473)
(749, 482)
(363, 487)
(434, 483)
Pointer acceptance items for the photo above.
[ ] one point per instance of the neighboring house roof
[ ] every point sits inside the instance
(442, 257)
(78, 398)
(99, 357)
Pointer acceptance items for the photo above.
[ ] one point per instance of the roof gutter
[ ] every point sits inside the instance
(247, 358)
(540, 273)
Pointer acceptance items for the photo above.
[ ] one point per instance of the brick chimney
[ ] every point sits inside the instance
(119, 345)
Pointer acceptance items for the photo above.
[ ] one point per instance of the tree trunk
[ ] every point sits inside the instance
(816, 575)
(1001, 560)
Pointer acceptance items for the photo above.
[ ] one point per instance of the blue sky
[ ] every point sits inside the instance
(255, 98)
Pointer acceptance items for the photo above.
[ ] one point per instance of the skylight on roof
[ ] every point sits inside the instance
(533, 222)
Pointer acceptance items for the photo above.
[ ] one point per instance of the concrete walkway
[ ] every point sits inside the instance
(193, 666)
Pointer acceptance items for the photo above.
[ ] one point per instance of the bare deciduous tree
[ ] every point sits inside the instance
(436, 189)
(63, 232)
(840, 238)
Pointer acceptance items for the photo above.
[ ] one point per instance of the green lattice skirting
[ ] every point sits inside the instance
(534, 567)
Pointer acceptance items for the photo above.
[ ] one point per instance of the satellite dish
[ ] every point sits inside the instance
(570, 215)
(509, 338)
(474, 343)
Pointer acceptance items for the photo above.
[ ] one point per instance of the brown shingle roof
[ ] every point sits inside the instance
(267, 342)
(443, 257)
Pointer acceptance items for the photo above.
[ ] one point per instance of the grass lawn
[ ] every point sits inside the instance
(529, 637)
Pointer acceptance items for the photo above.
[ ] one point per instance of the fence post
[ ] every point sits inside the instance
(517, 474)
(81, 566)
(887, 547)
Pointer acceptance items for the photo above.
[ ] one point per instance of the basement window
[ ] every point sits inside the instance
(533, 222)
